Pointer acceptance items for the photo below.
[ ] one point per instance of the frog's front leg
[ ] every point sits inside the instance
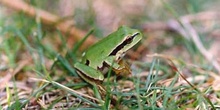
(119, 67)
(90, 75)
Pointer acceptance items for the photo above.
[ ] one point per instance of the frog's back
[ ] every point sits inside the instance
(99, 51)
(96, 54)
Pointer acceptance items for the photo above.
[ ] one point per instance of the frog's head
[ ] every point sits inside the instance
(129, 37)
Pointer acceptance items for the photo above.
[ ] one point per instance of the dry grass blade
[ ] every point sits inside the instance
(66, 88)
(195, 37)
(175, 69)
(6, 79)
(185, 29)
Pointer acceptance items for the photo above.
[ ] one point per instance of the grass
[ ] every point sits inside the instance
(46, 78)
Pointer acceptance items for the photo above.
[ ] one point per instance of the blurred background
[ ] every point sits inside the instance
(33, 32)
(167, 25)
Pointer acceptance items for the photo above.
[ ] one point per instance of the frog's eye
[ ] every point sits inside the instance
(129, 39)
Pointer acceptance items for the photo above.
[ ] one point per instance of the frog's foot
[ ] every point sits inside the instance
(119, 67)
(123, 69)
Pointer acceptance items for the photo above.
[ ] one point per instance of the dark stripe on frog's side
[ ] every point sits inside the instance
(128, 40)
(119, 47)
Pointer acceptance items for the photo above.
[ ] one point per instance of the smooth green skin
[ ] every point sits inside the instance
(100, 52)
(88, 74)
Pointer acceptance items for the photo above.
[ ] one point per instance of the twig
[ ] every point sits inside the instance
(49, 19)
(171, 25)
(202, 16)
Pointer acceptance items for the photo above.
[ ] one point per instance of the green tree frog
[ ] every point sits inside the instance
(107, 53)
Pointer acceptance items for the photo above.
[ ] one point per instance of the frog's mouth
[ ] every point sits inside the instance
(127, 41)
